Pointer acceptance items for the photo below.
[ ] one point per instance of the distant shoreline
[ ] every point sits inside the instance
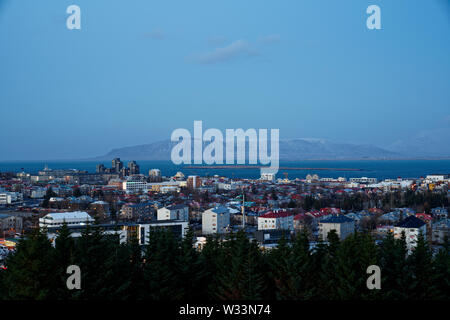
(260, 167)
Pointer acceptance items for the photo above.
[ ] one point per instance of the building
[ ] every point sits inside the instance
(164, 186)
(10, 224)
(411, 226)
(124, 232)
(439, 213)
(216, 220)
(133, 167)
(57, 219)
(117, 165)
(100, 168)
(440, 230)
(174, 212)
(143, 210)
(265, 176)
(271, 237)
(343, 225)
(437, 177)
(194, 182)
(276, 221)
(364, 180)
(155, 175)
(133, 186)
(10, 197)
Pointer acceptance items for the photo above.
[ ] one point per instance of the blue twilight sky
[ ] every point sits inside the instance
(139, 69)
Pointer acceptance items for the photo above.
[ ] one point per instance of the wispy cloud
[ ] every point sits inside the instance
(157, 33)
(237, 49)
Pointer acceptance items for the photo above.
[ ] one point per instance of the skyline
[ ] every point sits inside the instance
(136, 72)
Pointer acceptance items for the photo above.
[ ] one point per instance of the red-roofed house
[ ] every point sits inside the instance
(276, 221)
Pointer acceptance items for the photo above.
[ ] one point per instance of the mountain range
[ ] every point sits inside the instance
(293, 149)
(425, 144)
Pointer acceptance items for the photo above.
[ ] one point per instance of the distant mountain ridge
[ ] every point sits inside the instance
(292, 149)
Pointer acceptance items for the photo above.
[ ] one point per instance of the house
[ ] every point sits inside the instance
(136, 210)
(411, 226)
(343, 225)
(216, 220)
(439, 213)
(276, 221)
(174, 212)
(10, 223)
(440, 230)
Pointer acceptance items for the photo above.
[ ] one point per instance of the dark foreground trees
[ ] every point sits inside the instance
(235, 269)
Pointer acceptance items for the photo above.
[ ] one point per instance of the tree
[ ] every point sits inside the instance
(191, 270)
(30, 273)
(243, 276)
(441, 270)
(160, 270)
(64, 257)
(48, 194)
(392, 261)
(420, 261)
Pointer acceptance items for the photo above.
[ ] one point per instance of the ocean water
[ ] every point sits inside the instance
(381, 169)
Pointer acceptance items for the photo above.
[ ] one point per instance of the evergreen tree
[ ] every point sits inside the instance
(190, 269)
(420, 261)
(441, 269)
(30, 273)
(160, 271)
(243, 277)
(91, 254)
(64, 257)
(394, 269)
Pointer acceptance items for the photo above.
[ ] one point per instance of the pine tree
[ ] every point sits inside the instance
(30, 273)
(441, 270)
(160, 274)
(64, 257)
(190, 269)
(243, 276)
(420, 261)
(91, 254)
(394, 269)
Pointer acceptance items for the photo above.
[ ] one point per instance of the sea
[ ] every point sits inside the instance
(380, 169)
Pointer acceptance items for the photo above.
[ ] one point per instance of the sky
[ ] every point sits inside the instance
(137, 70)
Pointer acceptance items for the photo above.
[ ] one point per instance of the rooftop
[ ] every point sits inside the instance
(410, 222)
(336, 219)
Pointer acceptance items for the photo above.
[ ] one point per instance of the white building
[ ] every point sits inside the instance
(38, 193)
(276, 221)
(437, 177)
(125, 232)
(411, 226)
(216, 220)
(135, 186)
(343, 225)
(10, 197)
(174, 212)
(57, 219)
(266, 176)
(364, 180)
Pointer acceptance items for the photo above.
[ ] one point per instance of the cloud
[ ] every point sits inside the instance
(157, 33)
(237, 49)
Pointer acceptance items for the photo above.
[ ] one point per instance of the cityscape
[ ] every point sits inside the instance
(271, 213)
